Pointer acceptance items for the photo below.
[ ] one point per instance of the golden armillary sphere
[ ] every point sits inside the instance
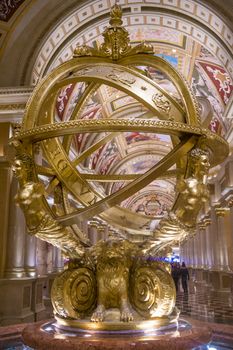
(57, 192)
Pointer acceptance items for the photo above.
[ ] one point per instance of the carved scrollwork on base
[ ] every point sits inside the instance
(148, 292)
(74, 293)
(152, 292)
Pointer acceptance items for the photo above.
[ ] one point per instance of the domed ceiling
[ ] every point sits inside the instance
(189, 35)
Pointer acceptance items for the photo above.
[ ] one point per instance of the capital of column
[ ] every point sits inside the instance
(112, 233)
(101, 228)
(229, 201)
(221, 211)
(204, 222)
(93, 223)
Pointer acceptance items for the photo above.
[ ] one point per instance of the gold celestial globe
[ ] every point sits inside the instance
(116, 65)
(59, 190)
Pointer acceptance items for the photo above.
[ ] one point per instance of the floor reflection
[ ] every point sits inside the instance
(206, 305)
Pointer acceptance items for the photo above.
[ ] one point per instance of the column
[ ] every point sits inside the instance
(229, 227)
(209, 248)
(184, 255)
(41, 257)
(203, 247)
(92, 231)
(181, 251)
(101, 231)
(58, 262)
(190, 252)
(16, 237)
(193, 253)
(5, 181)
(198, 249)
(30, 256)
(228, 239)
(215, 241)
(223, 251)
(196, 252)
(226, 222)
(84, 228)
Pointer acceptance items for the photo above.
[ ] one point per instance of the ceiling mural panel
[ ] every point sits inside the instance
(8, 8)
(63, 100)
(152, 204)
(211, 81)
(220, 79)
(160, 35)
(132, 137)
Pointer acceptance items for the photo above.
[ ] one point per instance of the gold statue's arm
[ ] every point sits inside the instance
(40, 222)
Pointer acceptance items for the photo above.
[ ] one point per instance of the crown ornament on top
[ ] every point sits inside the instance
(116, 41)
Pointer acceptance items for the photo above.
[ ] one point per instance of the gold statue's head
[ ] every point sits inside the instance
(19, 168)
(199, 160)
(22, 167)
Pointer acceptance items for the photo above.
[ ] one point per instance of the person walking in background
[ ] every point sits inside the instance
(184, 277)
(176, 274)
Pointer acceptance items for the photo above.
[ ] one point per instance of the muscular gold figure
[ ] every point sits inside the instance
(39, 222)
(192, 193)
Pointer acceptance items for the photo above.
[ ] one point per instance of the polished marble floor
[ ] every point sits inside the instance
(207, 306)
(215, 308)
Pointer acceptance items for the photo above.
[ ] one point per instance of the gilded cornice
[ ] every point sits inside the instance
(14, 99)
(12, 107)
(16, 90)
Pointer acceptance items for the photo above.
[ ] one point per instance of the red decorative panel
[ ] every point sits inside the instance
(81, 139)
(8, 8)
(220, 79)
(63, 99)
(215, 126)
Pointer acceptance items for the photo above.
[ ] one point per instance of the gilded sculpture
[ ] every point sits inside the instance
(192, 194)
(113, 274)
(30, 199)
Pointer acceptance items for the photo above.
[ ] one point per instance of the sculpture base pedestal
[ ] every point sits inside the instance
(183, 336)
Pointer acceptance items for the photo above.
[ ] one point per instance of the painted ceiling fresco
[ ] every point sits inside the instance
(151, 203)
(8, 8)
(136, 152)
(211, 81)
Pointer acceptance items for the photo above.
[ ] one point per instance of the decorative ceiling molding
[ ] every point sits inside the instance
(186, 16)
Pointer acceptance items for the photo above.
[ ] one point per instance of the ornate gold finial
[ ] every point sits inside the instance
(116, 15)
(116, 40)
(116, 37)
